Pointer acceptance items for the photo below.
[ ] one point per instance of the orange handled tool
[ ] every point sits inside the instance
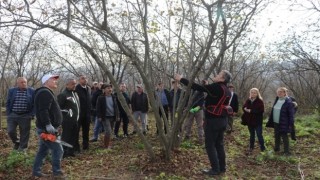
(53, 138)
(48, 137)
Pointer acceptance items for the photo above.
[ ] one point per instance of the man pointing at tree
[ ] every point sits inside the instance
(215, 119)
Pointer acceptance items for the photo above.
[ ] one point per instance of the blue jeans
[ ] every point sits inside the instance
(258, 131)
(56, 153)
(143, 118)
(97, 128)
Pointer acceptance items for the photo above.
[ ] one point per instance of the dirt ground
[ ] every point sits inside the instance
(128, 160)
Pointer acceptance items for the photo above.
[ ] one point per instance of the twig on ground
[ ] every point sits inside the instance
(300, 170)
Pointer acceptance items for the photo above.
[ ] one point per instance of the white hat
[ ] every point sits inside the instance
(46, 77)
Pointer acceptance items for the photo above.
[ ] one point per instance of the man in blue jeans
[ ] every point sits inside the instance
(20, 111)
(97, 124)
(49, 119)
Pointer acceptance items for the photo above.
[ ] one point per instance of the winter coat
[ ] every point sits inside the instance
(176, 100)
(84, 95)
(30, 98)
(47, 109)
(94, 99)
(234, 103)
(69, 104)
(127, 98)
(255, 117)
(286, 120)
(135, 106)
(102, 107)
(215, 92)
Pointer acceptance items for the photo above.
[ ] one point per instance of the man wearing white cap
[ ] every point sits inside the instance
(49, 119)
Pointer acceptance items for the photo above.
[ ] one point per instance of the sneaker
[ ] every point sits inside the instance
(186, 138)
(287, 153)
(210, 172)
(249, 152)
(93, 140)
(222, 170)
(134, 132)
(116, 136)
(144, 133)
(16, 145)
(40, 175)
(200, 142)
(59, 176)
(23, 151)
(85, 147)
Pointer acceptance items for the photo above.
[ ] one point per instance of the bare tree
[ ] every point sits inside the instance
(200, 42)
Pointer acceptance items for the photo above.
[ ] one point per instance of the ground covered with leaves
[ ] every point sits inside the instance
(128, 159)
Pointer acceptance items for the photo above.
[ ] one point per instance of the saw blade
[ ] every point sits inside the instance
(64, 143)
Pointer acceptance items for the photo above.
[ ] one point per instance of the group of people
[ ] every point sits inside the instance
(281, 118)
(219, 118)
(71, 111)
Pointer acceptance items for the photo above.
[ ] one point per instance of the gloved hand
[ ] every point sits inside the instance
(194, 110)
(50, 129)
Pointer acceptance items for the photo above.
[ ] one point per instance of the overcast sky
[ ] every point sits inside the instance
(283, 20)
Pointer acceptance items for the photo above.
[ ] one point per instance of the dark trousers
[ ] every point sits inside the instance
(166, 111)
(69, 135)
(84, 124)
(24, 123)
(214, 132)
(256, 130)
(125, 120)
(230, 124)
(293, 133)
(280, 135)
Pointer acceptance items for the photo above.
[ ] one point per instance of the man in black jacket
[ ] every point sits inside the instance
(140, 107)
(234, 103)
(107, 112)
(163, 98)
(215, 123)
(48, 120)
(97, 128)
(69, 103)
(123, 115)
(175, 94)
(84, 93)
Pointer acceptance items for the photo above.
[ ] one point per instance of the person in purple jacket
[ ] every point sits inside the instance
(281, 119)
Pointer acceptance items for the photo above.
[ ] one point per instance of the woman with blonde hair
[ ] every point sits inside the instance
(253, 110)
(281, 119)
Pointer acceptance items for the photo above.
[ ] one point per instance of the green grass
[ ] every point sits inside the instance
(129, 157)
(16, 158)
(163, 176)
(139, 145)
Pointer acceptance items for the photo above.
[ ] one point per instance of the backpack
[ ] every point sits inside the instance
(220, 109)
